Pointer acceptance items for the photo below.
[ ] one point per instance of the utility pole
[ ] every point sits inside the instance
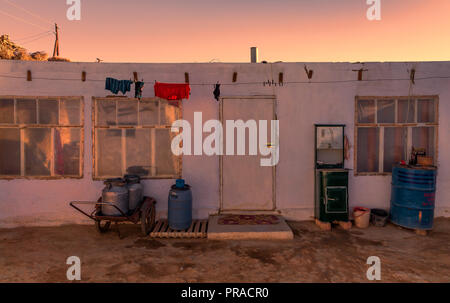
(56, 48)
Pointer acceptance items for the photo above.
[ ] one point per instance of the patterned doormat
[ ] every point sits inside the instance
(248, 220)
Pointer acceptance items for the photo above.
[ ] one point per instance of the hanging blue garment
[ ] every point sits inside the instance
(112, 85)
(125, 86)
(115, 85)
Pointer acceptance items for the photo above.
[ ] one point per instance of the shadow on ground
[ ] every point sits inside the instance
(39, 254)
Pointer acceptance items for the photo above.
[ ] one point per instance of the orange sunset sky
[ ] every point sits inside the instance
(223, 31)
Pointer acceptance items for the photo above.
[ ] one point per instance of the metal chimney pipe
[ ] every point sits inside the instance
(254, 55)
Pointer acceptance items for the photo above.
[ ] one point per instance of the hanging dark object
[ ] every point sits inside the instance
(280, 79)
(309, 73)
(217, 91)
(412, 75)
(138, 87)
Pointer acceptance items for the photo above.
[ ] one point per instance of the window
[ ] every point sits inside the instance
(41, 137)
(388, 128)
(133, 137)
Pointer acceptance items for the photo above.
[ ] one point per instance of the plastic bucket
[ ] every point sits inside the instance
(362, 217)
(379, 217)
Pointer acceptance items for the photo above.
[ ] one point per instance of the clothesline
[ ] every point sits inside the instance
(246, 83)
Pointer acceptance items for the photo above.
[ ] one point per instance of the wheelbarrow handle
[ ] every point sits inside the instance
(96, 203)
(74, 203)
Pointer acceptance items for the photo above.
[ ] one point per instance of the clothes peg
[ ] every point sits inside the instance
(234, 77)
(360, 73)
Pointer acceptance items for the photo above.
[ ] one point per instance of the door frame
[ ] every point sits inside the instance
(274, 168)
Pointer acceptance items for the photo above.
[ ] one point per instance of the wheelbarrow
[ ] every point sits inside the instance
(144, 213)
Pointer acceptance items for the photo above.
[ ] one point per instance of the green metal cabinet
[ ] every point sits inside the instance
(331, 195)
(331, 179)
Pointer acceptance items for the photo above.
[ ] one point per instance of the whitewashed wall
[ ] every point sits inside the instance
(39, 202)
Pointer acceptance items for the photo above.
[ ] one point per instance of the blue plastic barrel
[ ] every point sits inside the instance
(180, 207)
(413, 197)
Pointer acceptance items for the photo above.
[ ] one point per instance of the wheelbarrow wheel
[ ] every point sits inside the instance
(102, 228)
(147, 220)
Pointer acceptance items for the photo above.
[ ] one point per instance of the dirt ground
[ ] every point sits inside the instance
(39, 255)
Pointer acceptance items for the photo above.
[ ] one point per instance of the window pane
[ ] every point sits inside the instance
(394, 147)
(37, 151)
(423, 137)
(166, 162)
(7, 111)
(366, 111)
(138, 151)
(127, 112)
(70, 112)
(9, 151)
(67, 151)
(109, 150)
(106, 112)
(48, 111)
(406, 111)
(148, 113)
(425, 111)
(386, 111)
(26, 111)
(368, 142)
(169, 113)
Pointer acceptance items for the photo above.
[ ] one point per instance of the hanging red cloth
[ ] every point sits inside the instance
(172, 91)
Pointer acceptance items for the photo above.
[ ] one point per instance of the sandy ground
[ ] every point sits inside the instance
(39, 255)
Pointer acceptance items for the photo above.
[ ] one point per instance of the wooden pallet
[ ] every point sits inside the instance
(197, 229)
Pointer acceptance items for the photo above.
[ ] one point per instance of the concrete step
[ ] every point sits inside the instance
(279, 231)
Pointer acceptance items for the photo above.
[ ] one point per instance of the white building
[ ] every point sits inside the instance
(47, 151)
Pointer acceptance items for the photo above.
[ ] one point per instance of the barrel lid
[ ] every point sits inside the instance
(416, 167)
(179, 183)
(115, 182)
(185, 187)
(132, 179)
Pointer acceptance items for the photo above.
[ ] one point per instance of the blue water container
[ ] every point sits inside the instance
(180, 206)
(413, 197)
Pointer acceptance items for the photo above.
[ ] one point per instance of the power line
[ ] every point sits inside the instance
(23, 20)
(32, 36)
(37, 38)
(27, 11)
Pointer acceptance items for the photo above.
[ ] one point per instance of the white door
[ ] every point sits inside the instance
(245, 184)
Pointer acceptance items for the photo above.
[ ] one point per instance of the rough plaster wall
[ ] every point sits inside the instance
(334, 103)
(37, 202)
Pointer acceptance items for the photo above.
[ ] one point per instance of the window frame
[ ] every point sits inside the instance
(179, 162)
(52, 127)
(382, 126)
